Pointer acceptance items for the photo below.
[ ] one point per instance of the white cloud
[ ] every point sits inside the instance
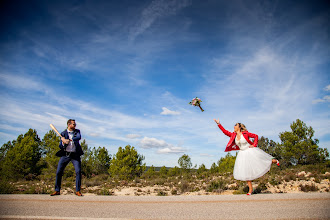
(94, 134)
(133, 136)
(166, 111)
(148, 143)
(164, 148)
(324, 99)
(171, 150)
(20, 82)
(316, 101)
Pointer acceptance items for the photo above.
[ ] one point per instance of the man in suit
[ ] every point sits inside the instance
(70, 150)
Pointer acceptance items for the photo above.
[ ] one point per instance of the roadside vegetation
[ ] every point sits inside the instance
(28, 165)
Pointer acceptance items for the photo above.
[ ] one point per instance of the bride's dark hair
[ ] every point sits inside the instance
(242, 127)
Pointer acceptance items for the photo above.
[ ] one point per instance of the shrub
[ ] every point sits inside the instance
(241, 190)
(289, 177)
(104, 192)
(36, 189)
(68, 184)
(174, 192)
(162, 193)
(217, 186)
(6, 187)
(274, 181)
(185, 187)
(308, 188)
(262, 186)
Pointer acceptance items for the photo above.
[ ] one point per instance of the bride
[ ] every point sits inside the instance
(251, 162)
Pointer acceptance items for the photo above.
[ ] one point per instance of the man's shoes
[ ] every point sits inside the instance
(78, 193)
(56, 193)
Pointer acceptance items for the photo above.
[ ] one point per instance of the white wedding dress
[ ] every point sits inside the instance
(251, 163)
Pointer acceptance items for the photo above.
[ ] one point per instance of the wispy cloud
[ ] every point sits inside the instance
(23, 82)
(325, 98)
(133, 136)
(166, 111)
(327, 88)
(156, 10)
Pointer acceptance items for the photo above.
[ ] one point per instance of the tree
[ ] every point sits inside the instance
(214, 168)
(185, 162)
(22, 157)
(95, 161)
(103, 159)
(175, 171)
(49, 145)
(163, 171)
(299, 147)
(226, 164)
(150, 172)
(270, 147)
(87, 160)
(3, 152)
(201, 169)
(127, 163)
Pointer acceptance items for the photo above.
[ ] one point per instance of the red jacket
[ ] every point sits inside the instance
(231, 144)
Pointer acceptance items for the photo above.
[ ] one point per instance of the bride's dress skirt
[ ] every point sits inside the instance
(251, 164)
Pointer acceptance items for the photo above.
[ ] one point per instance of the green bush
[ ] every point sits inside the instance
(127, 164)
(290, 176)
(274, 181)
(162, 193)
(104, 192)
(185, 187)
(174, 192)
(308, 188)
(241, 190)
(6, 187)
(261, 187)
(217, 186)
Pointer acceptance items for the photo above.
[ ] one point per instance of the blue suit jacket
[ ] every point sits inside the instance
(76, 137)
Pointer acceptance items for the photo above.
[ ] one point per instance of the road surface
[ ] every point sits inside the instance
(260, 206)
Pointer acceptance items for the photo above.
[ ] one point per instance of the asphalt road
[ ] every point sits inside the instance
(260, 206)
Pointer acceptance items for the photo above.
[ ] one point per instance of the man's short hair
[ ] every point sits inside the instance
(69, 121)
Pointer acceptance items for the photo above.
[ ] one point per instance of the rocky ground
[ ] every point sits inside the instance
(294, 182)
(304, 182)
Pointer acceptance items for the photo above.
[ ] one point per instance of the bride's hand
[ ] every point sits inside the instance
(251, 146)
(216, 121)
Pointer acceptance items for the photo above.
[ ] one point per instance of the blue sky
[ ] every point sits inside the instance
(126, 71)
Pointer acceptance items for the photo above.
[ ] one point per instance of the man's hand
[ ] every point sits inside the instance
(65, 141)
(217, 121)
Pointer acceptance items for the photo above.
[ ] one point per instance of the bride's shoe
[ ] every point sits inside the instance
(249, 194)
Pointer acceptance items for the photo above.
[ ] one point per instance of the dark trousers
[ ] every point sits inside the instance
(64, 161)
